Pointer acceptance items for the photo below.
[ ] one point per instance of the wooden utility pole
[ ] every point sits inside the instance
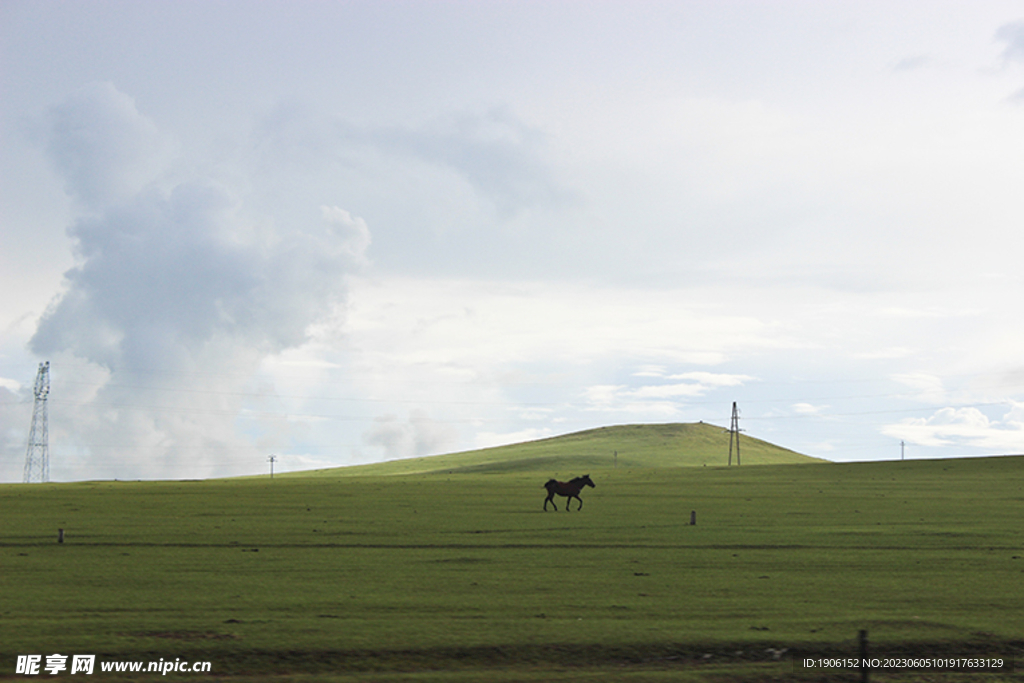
(272, 459)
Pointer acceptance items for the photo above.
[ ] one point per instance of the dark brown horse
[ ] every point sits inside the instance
(567, 489)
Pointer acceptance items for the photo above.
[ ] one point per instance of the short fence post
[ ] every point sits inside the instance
(693, 518)
(60, 535)
(864, 668)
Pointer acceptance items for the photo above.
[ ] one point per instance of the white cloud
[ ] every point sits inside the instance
(485, 439)
(603, 396)
(651, 371)
(700, 384)
(352, 231)
(808, 409)
(660, 399)
(711, 379)
(967, 427)
(462, 321)
(885, 353)
(415, 436)
(15, 414)
(666, 391)
(927, 387)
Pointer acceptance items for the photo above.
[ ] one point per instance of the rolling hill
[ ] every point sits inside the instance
(639, 445)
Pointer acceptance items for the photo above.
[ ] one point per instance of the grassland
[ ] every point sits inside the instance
(462, 577)
(639, 445)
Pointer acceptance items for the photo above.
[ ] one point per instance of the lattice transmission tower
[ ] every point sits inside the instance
(37, 457)
(734, 433)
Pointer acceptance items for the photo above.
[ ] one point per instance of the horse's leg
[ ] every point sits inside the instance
(568, 501)
(581, 503)
(550, 499)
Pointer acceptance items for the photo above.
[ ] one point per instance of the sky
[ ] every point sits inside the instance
(346, 232)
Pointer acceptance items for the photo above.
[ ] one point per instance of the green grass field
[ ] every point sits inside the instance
(647, 445)
(462, 577)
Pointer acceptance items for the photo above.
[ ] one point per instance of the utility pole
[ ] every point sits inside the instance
(272, 459)
(734, 433)
(37, 456)
(901, 449)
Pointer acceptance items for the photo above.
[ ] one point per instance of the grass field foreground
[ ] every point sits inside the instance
(463, 577)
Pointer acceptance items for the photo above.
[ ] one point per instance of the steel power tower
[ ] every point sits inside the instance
(37, 457)
(734, 433)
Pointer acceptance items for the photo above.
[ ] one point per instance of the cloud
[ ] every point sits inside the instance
(965, 427)
(651, 371)
(657, 391)
(163, 279)
(417, 435)
(103, 147)
(481, 322)
(913, 63)
(699, 384)
(1017, 97)
(808, 409)
(496, 152)
(1012, 34)
(885, 353)
(493, 157)
(666, 399)
(354, 234)
(928, 388)
(15, 416)
(713, 380)
(177, 283)
(484, 439)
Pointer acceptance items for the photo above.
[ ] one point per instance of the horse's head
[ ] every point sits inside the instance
(585, 479)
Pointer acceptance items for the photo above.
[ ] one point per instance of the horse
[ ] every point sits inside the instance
(567, 489)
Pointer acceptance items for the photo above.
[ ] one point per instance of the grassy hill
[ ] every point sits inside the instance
(637, 446)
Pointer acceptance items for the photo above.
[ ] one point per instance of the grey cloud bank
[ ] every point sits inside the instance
(103, 148)
(174, 279)
(162, 274)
